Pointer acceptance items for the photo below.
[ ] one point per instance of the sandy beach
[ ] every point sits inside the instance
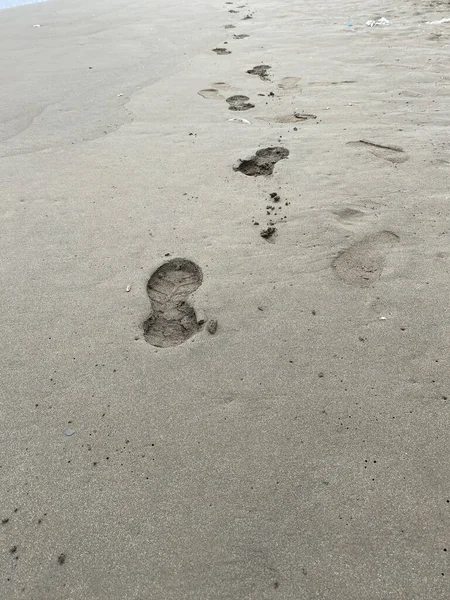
(225, 278)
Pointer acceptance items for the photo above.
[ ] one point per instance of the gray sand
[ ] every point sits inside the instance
(300, 451)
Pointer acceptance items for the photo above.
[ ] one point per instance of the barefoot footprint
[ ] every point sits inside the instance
(173, 320)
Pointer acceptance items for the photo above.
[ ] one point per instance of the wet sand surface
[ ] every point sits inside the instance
(225, 263)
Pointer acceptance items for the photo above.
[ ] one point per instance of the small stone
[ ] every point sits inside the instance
(212, 326)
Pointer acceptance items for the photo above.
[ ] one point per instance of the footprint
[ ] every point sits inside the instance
(261, 71)
(296, 117)
(328, 83)
(288, 83)
(393, 154)
(348, 213)
(263, 162)
(221, 51)
(409, 94)
(230, 26)
(239, 103)
(173, 321)
(240, 36)
(209, 94)
(362, 264)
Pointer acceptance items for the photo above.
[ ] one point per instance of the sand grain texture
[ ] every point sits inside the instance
(290, 440)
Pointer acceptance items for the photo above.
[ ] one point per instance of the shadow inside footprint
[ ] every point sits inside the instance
(173, 321)
(263, 162)
(239, 103)
(221, 51)
(362, 264)
(348, 213)
(261, 71)
(240, 36)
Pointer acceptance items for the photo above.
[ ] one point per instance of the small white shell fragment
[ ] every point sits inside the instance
(69, 432)
(382, 318)
(237, 120)
(128, 288)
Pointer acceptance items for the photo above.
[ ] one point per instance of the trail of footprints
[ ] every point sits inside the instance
(173, 319)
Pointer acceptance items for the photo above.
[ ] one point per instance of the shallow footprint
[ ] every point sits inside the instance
(239, 103)
(328, 83)
(348, 213)
(295, 117)
(288, 83)
(393, 154)
(173, 321)
(209, 94)
(263, 161)
(362, 264)
(240, 36)
(221, 51)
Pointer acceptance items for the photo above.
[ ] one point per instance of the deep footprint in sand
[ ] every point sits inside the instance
(239, 103)
(393, 154)
(261, 71)
(221, 51)
(263, 162)
(173, 320)
(362, 264)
